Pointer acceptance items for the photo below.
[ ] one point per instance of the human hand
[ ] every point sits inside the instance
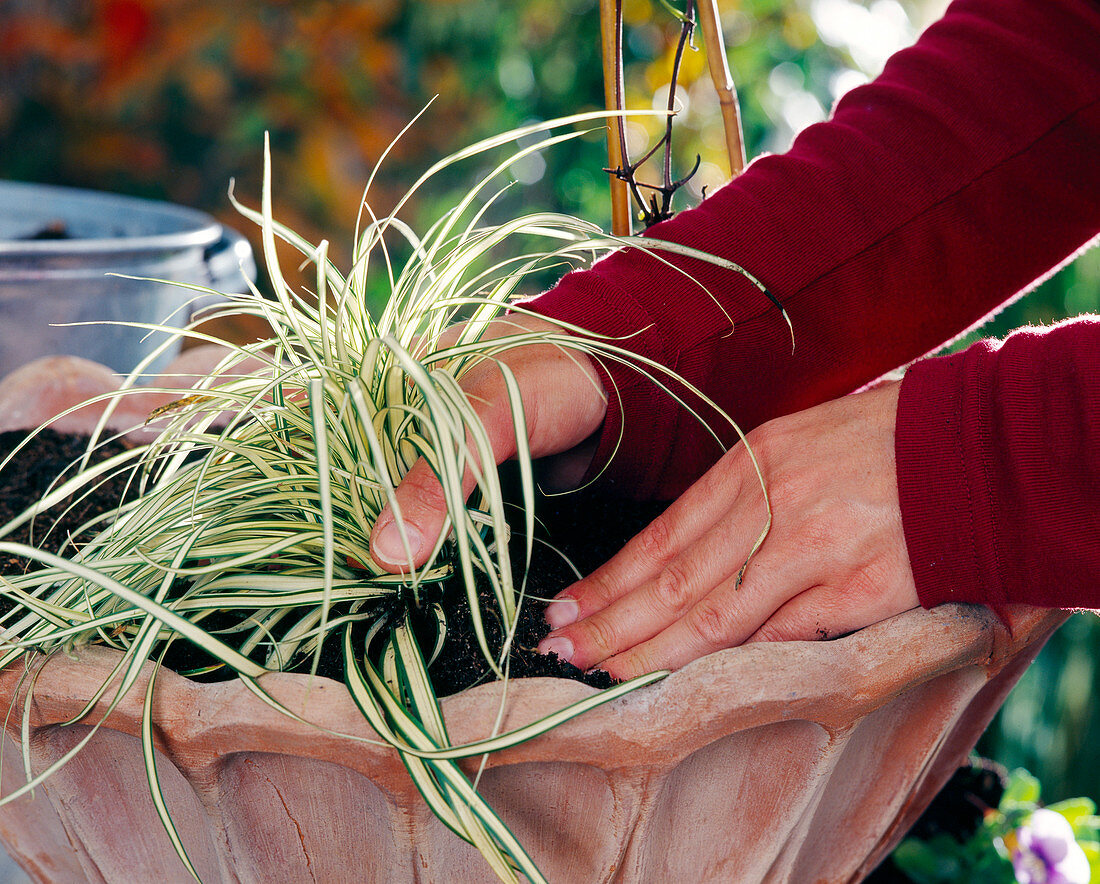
(563, 402)
(833, 561)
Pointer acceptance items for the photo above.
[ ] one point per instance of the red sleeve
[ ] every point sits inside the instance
(998, 454)
(963, 173)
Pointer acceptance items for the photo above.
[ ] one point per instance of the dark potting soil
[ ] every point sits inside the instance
(588, 527)
(32, 473)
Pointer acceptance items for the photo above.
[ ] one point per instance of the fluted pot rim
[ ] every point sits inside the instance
(831, 683)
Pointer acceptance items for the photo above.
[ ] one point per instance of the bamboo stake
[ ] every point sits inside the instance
(723, 84)
(611, 33)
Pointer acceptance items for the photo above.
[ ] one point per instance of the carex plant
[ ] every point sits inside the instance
(246, 532)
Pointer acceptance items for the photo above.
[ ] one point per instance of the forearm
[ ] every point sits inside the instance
(936, 193)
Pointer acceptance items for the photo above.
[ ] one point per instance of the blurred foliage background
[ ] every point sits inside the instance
(170, 99)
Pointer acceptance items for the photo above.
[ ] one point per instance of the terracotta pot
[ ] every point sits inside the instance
(796, 762)
(791, 762)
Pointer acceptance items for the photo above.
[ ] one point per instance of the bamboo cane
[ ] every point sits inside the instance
(611, 29)
(723, 84)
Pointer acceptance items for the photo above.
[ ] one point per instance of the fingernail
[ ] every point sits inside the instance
(561, 612)
(559, 645)
(389, 548)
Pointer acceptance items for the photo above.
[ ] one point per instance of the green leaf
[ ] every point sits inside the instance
(148, 753)
(1079, 812)
(1092, 854)
(1022, 790)
(926, 863)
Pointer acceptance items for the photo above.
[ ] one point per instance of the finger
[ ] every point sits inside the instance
(563, 404)
(723, 618)
(825, 612)
(420, 498)
(711, 561)
(713, 508)
(400, 545)
(809, 616)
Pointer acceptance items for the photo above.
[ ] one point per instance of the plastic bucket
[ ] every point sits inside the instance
(58, 247)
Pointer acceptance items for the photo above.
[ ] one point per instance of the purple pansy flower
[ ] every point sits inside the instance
(1047, 853)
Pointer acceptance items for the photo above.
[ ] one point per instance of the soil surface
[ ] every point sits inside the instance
(588, 527)
(32, 473)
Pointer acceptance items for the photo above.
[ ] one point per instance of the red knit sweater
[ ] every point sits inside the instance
(965, 172)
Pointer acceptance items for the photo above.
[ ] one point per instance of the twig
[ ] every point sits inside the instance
(654, 210)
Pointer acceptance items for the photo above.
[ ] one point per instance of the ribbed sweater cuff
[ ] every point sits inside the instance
(942, 507)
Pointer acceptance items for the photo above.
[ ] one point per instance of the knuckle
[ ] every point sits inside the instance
(673, 588)
(655, 541)
(630, 665)
(420, 490)
(866, 581)
(712, 624)
(875, 585)
(819, 532)
(766, 442)
(772, 632)
(726, 480)
(803, 624)
(790, 489)
(599, 638)
(598, 591)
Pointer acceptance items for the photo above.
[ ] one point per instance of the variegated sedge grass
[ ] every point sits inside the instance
(268, 517)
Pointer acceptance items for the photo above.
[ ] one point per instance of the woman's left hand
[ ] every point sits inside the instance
(833, 561)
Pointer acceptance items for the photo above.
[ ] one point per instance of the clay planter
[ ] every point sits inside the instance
(795, 762)
(791, 762)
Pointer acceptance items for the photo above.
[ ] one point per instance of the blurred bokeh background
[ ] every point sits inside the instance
(170, 99)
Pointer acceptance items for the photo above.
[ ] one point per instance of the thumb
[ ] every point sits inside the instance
(397, 543)
(402, 545)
